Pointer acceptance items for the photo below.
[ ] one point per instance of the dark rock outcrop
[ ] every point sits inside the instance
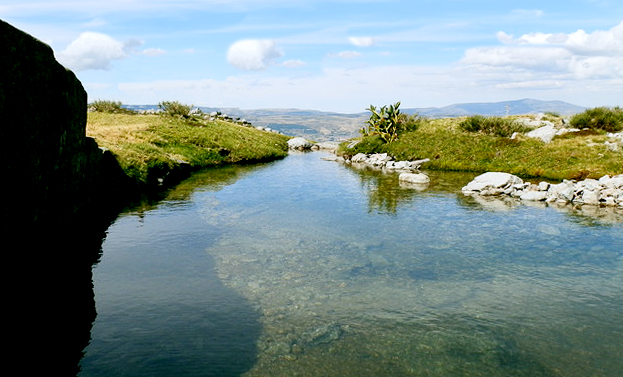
(56, 193)
(50, 167)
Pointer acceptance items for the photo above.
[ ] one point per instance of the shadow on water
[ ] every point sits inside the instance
(161, 308)
(49, 304)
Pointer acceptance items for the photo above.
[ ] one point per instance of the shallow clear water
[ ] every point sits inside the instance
(306, 267)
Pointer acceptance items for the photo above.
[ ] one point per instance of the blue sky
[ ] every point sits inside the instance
(334, 55)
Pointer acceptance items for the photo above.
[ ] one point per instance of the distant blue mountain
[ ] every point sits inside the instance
(517, 107)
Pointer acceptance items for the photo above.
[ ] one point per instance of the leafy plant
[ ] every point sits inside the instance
(109, 107)
(385, 122)
(599, 118)
(497, 126)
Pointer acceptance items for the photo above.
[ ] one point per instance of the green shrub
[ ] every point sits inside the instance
(497, 126)
(409, 122)
(384, 122)
(109, 107)
(599, 118)
(176, 109)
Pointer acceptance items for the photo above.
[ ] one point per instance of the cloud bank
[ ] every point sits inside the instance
(579, 54)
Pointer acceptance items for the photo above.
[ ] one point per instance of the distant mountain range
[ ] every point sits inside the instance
(518, 107)
(322, 126)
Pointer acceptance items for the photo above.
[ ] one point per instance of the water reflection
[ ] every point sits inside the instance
(386, 195)
(316, 279)
(162, 310)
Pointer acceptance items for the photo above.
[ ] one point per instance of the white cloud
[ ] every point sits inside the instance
(253, 54)
(95, 51)
(579, 54)
(362, 41)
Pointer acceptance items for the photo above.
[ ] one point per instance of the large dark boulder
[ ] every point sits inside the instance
(47, 162)
(54, 207)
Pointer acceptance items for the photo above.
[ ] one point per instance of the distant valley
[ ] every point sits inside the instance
(322, 126)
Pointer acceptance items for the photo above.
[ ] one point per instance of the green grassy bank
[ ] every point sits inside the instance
(454, 144)
(147, 145)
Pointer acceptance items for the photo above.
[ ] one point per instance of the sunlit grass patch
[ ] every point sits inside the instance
(449, 147)
(144, 143)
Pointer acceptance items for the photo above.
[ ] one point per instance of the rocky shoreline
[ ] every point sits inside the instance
(606, 191)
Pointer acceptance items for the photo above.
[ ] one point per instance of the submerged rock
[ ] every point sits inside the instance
(417, 178)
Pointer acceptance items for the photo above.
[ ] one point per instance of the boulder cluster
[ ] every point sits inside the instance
(384, 161)
(606, 191)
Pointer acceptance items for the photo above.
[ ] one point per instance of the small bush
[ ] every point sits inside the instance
(599, 118)
(496, 126)
(109, 107)
(409, 123)
(176, 109)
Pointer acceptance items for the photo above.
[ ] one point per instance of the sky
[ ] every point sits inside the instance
(342, 55)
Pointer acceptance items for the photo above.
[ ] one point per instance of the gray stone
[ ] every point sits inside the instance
(589, 197)
(492, 180)
(299, 143)
(417, 178)
(359, 158)
(534, 196)
(545, 133)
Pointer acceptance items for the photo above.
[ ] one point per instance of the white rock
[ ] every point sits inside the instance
(545, 133)
(299, 143)
(590, 197)
(359, 158)
(562, 192)
(492, 180)
(534, 196)
(417, 178)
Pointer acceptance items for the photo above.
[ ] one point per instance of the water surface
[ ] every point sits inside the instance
(305, 267)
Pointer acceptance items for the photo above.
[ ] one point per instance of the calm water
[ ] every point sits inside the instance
(306, 267)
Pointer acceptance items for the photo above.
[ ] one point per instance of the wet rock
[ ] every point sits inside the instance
(417, 178)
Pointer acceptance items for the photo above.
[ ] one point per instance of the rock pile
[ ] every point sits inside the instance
(384, 161)
(606, 191)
